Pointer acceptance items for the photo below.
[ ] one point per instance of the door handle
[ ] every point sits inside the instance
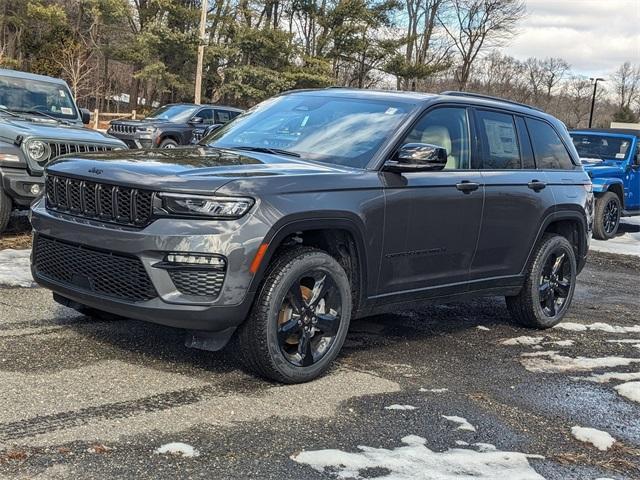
(536, 185)
(466, 186)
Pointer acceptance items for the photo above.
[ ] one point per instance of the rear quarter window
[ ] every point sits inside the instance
(548, 149)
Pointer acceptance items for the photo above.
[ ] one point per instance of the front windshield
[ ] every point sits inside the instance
(345, 131)
(174, 113)
(600, 146)
(22, 95)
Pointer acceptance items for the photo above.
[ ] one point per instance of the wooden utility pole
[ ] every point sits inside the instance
(203, 30)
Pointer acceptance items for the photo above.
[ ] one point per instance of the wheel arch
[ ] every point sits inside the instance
(339, 235)
(604, 185)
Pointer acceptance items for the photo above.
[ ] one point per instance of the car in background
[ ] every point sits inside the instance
(172, 125)
(611, 157)
(39, 121)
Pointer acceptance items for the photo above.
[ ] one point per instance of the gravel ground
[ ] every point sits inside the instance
(88, 399)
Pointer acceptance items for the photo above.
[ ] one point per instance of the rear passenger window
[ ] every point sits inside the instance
(499, 140)
(548, 149)
(222, 116)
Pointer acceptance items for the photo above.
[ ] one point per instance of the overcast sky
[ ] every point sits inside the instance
(594, 36)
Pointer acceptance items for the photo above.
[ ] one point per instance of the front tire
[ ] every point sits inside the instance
(168, 143)
(549, 285)
(300, 318)
(5, 210)
(606, 216)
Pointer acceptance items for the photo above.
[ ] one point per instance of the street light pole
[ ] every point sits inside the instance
(203, 29)
(593, 99)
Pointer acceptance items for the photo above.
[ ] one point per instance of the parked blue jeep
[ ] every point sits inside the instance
(611, 157)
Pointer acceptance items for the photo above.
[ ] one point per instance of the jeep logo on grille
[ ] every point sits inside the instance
(95, 170)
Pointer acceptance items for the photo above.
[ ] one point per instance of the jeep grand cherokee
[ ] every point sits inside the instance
(317, 207)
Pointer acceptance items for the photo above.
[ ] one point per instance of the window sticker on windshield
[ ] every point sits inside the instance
(62, 94)
(390, 111)
(619, 155)
(66, 111)
(304, 120)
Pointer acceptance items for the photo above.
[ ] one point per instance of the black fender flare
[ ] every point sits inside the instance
(320, 220)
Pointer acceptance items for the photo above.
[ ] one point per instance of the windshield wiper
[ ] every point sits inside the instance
(273, 151)
(38, 112)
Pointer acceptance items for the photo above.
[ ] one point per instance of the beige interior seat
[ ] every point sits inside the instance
(439, 136)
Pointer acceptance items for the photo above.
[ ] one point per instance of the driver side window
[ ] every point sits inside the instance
(207, 116)
(446, 127)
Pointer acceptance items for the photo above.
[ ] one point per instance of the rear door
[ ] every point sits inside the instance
(433, 218)
(517, 198)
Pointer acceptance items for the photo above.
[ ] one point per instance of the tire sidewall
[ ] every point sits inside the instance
(168, 141)
(296, 268)
(602, 203)
(6, 206)
(549, 246)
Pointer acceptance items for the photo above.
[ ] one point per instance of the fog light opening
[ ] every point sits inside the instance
(200, 260)
(35, 189)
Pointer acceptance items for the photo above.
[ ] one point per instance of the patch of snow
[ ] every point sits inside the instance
(626, 244)
(415, 461)
(601, 326)
(434, 390)
(485, 447)
(563, 343)
(15, 268)
(607, 377)
(599, 439)
(400, 407)
(482, 327)
(462, 422)
(523, 341)
(554, 363)
(625, 340)
(630, 390)
(178, 448)
(462, 443)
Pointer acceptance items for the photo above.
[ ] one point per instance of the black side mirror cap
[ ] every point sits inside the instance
(417, 157)
(196, 120)
(85, 114)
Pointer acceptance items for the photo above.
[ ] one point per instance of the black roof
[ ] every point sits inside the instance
(212, 105)
(623, 131)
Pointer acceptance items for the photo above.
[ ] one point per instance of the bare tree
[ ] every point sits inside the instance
(474, 25)
(626, 85)
(77, 63)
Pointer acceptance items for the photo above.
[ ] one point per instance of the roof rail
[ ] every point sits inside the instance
(455, 93)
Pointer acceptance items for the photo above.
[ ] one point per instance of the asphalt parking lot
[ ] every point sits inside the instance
(81, 398)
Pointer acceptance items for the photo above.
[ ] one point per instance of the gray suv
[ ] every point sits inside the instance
(39, 121)
(314, 208)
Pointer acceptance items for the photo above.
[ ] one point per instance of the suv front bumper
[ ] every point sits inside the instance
(17, 184)
(148, 247)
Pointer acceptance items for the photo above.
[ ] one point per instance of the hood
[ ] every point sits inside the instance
(602, 169)
(54, 131)
(144, 122)
(197, 170)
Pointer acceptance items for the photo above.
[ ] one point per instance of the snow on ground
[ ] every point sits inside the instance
(415, 461)
(625, 243)
(551, 362)
(601, 326)
(434, 390)
(15, 268)
(395, 406)
(630, 390)
(482, 327)
(177, 448)
(607, 377)
(462, 422)
(599, 439)
(523, 341)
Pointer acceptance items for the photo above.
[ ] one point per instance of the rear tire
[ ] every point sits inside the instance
(549, 285)
(6, 205)
(293, 338)
(606, 217)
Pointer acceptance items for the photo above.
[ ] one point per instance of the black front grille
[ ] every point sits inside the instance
(91, 270)
(201, 283)
(111, 203)
(121, 128)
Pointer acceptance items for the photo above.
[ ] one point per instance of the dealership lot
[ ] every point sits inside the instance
(91, 399)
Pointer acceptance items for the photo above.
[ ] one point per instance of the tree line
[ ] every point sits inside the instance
(131, 54)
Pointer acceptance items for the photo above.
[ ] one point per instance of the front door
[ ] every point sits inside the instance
(433, 218)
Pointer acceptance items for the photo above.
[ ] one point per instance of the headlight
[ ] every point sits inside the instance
(204, 206)
(38, 150)
(145, 129)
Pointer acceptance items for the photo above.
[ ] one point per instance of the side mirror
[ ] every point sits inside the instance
(636, 159)
(196, 120)
(417, 157)
(211, 128)
(86, 115)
